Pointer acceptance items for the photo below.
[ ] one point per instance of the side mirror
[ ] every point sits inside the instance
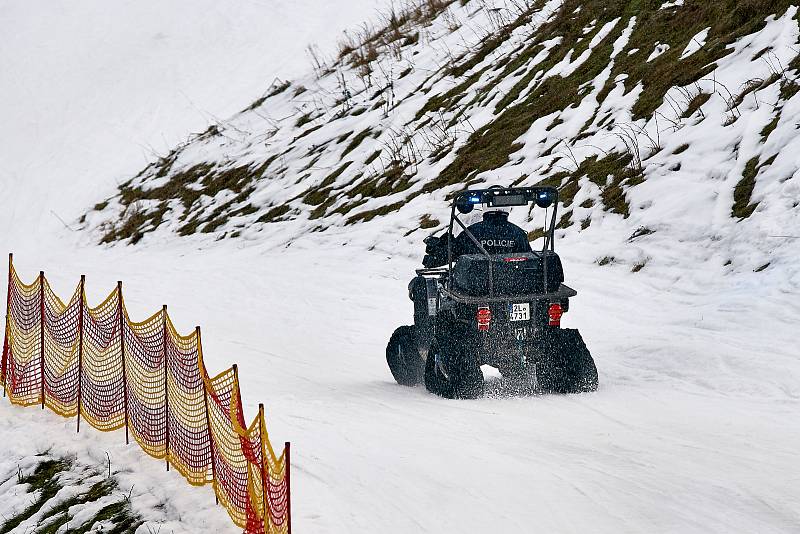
(463, 205)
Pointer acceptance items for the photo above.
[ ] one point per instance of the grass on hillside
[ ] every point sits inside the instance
(391, 168)
(45, 483)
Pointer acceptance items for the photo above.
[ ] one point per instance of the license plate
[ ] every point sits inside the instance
(519, 312)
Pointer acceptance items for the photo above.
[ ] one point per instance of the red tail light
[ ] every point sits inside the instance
(484, 318)
(555, 312)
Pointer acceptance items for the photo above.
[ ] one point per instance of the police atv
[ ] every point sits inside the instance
(472, 307)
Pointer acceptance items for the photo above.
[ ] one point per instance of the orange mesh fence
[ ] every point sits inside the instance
(97, 365)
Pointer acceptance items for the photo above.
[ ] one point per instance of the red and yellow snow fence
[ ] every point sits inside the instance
(99, 365)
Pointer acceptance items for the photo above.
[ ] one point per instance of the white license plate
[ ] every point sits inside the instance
(519, 312)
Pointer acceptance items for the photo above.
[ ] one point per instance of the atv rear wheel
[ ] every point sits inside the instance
(567, 365)
(403, 358)
(451, 373)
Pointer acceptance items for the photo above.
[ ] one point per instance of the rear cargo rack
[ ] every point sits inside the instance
(563, 292)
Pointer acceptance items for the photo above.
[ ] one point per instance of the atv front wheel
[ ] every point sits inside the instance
(403, 357)
(451, 374)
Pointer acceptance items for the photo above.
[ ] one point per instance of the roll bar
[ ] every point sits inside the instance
(497, 196)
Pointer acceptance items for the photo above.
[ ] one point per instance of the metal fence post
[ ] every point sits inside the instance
(6, 348)
(41, 335)
(121, 327)
(264, 509)
(166, 386)
(80, 347)
(288, 475)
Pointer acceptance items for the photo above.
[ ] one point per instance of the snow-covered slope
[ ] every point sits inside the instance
(693, 428)
(695, 144)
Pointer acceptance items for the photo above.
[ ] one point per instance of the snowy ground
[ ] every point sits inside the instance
(694, 428)
(31, 436)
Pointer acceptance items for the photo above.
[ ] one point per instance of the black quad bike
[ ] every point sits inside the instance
(503, 310)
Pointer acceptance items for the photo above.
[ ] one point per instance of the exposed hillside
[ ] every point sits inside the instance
(672, 120)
